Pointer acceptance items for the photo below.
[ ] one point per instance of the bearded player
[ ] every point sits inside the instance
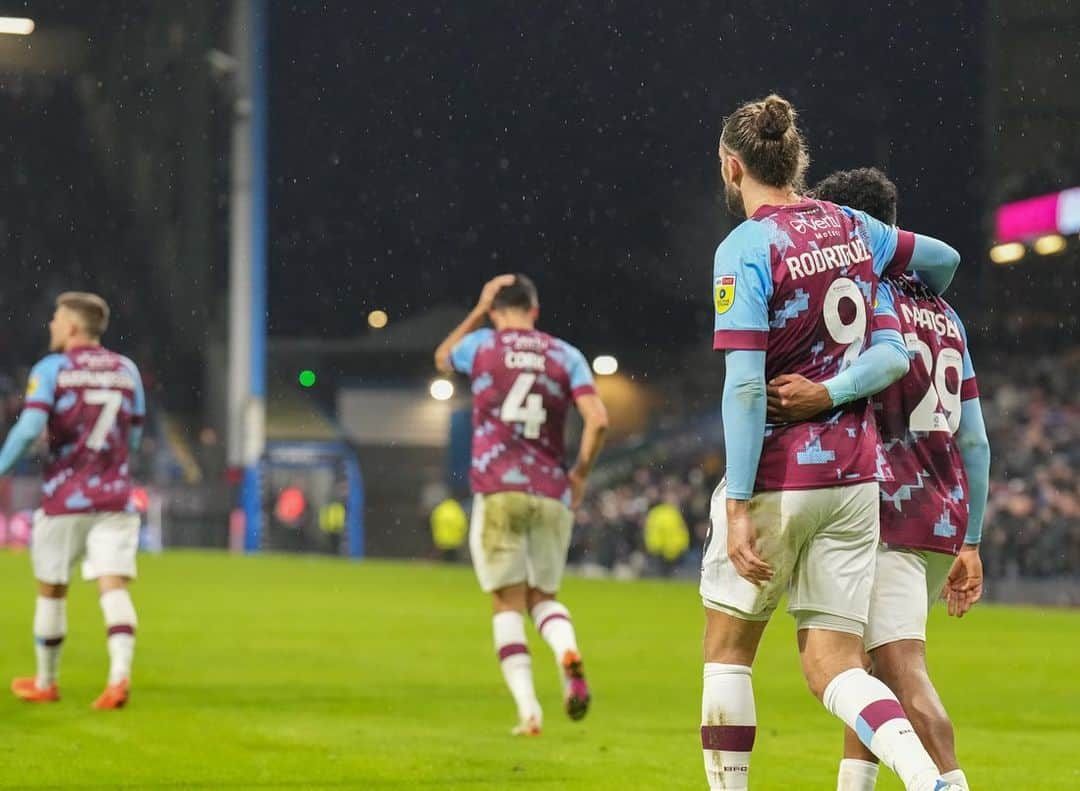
(798, 511)
(935, 477)
(91, 401)
(524, 382)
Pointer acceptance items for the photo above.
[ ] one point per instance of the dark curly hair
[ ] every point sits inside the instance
(764, 135)
(865, 189)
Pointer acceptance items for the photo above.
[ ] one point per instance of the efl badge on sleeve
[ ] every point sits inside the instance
(31, 386)
(724, 293)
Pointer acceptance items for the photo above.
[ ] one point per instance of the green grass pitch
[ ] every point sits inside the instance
(294, 672)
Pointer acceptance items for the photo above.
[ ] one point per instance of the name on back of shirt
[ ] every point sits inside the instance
(82, 377)
(930, 320)
(530, 360)
(836, 256)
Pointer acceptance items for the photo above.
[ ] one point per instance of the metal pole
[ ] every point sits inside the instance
(247, 299)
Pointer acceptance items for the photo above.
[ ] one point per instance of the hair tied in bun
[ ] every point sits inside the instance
(775, 118)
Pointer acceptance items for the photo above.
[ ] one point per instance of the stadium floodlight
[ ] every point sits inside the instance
(442, 390)
(1051, 244)
(16, 25)
(605, 365)
(1007, 253)
(377, 319)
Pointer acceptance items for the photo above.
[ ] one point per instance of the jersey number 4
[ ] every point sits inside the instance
(525, 407)
(109, 401)
(925, 416)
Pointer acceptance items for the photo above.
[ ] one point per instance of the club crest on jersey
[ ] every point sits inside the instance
(724, 293)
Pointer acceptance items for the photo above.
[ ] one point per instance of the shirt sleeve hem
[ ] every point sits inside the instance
(741, 340)
(583, 390)
(44, 407)
(905, 246)
(969, 389)
(884, 321)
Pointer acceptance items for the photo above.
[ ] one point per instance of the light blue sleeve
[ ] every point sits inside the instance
(742, 287)
(138, 408)
(26, 429)
(41, 385)
(884, 362)
(463, 355)
(975, 451)
(581, 378)
(744, 419)
(879, 366)
(935, 261)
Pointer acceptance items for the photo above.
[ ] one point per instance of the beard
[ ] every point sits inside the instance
(734, 201)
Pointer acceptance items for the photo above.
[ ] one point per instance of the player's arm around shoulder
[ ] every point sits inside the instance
(895, 251)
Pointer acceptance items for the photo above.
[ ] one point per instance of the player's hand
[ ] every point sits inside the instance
(793, 397)
(578, 481)
(741, 544)
(491, 288)
(965, 584)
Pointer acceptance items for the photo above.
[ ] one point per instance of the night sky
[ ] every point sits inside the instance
(416, 151)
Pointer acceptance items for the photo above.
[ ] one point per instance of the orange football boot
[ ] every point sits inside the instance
(28, 690)
(114, 696)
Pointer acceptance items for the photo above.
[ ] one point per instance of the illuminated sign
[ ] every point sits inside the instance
(1046, 214)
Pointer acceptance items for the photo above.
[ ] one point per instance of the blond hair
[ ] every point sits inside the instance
(92, 310)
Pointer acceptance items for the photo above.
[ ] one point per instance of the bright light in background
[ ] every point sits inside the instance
(377, 319)
(1007, 253)
(442, 389)
(306, 378)
(1050, 244)
(605, 365)
(16, 26)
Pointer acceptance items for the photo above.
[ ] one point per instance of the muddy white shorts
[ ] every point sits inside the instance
(820, 544)
(106, 542)
(517, 537)
(907, 582)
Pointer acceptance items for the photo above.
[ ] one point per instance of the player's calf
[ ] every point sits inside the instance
(553, 622)
(120, 624)
(902, 666)
(516, 664)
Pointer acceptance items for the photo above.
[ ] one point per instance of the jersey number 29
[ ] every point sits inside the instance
(925, 416)
(522, 406)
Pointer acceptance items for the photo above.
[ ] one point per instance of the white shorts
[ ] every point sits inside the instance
(820, 544)
(107, 542)
(517, 537)
(906, 585)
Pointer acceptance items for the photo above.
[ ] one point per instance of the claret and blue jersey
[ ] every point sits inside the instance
(523, 383)
(924, 485)
(93, 399)
(799, 283)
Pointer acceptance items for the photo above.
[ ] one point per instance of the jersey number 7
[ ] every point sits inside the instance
(109, 401)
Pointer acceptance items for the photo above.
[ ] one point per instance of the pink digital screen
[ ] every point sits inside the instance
(1027, 218)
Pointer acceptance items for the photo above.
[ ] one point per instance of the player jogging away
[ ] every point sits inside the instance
(524, 382)
(793, 289)
(91, 401)
(935, 478)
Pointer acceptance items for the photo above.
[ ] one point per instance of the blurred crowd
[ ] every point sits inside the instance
(1032, 526)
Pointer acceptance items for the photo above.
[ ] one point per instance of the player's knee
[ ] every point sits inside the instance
(535, 596)
(50, 591)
